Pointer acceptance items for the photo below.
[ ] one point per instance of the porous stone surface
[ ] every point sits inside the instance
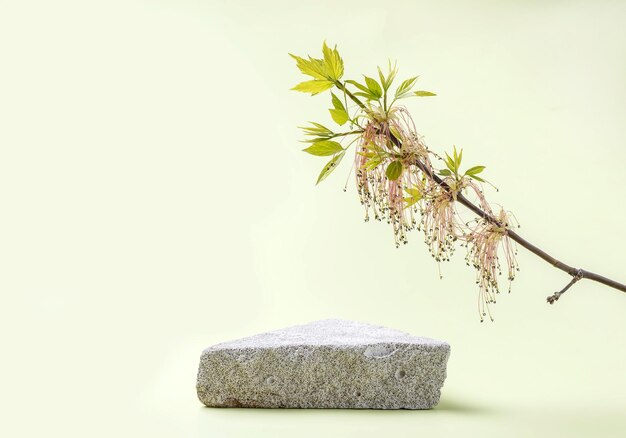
(325, 364)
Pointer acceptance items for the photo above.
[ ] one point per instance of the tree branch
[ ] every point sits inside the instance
(553, 298)
(576, 273)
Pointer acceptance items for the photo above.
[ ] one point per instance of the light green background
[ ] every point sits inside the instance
(154, 201)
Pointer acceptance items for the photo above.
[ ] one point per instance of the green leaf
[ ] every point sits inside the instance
(340, 116)
(457, 158)
(415, 196)
(450, 164)
(474, 170)
(405, 87)
(333, 63)
(374, 87)
(337, 103)
(314, 87)
(395, 132)
(314, 139)
(367, 95)
(311, 67)
(381, 76)
(423, 93)
(394, 170)
(365, 92)
(374, 147)
(373, 162)
(318, 64)
(317, 130)
(413, 192)
(477, 178)
(445, 172)
(409, 202)
(324, 148)
(329, 167)
(359, 86)
(386, 81)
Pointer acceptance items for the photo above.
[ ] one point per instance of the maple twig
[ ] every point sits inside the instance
(553, 298)
(576, 273)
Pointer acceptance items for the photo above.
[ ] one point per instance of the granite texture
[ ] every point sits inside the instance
(325, 364)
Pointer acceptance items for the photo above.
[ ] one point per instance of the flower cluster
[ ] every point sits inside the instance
(385, 144)
(484, 241)
(386, 171)
(395, 177)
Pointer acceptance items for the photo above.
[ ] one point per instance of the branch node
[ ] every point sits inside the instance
(575, 277)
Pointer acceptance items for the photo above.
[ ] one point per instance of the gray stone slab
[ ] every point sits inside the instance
(325, 364)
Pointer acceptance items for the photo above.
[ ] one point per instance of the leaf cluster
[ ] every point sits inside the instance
(327, 72)
(453, 164)
(322, 145)
(373, 90)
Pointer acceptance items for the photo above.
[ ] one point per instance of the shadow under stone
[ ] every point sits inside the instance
(450, 404)
(446, 404)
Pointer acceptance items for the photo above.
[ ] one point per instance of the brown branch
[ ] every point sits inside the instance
(553, 298)
(576, 273)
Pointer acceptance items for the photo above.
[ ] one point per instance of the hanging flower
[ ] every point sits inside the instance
(484, 242)
(386, 170)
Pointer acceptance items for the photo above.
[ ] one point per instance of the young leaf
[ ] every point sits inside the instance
(386, 81)
(477, 178)
(314, 87)
(450, 164)
(415, 196)
(318, 64)
(405, 87)
(368, 95)
(445, 172)
(474, 170)
(365, 92)
(394, 131)
(413, 192)
(381, 76)
(316, 129)
(457, 158)
(333, 64)
(423, 93)
(373, 162)
(337, 103)
(359, 86)
(374, 147)
(329, 167)
(310, 67)
(314, 139)
(324, 148)
(391, 75)
(409, 201)
(340, 116)
(320, 126)
(374, 87)
(394, 170)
